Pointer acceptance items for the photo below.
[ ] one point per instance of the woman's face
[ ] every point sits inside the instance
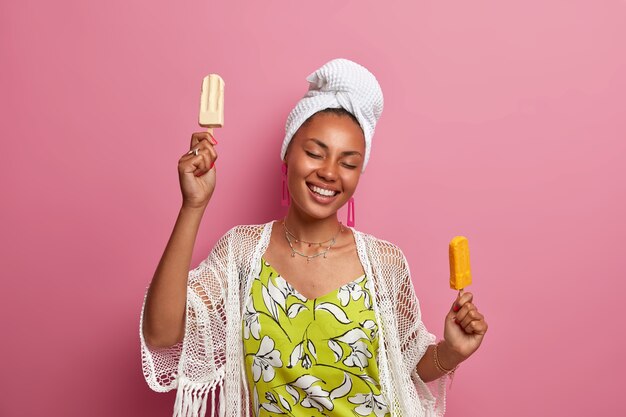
(324, 163)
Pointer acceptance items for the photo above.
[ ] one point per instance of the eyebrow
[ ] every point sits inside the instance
(324, 146)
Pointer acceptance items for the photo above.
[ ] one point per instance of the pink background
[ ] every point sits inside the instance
(504, 121)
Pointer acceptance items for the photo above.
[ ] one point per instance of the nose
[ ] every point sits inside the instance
(328, 171)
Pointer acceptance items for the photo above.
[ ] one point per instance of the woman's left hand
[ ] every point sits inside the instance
(465, 327)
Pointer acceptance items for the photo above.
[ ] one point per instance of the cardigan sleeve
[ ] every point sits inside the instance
(201, 355)
(415, 339)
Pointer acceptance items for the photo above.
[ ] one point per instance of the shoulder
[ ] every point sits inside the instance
(244, 237)
(385, 250)
(251, 231)
(246, 231)
(388, 261)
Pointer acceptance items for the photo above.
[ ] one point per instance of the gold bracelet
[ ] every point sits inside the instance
(438, 364)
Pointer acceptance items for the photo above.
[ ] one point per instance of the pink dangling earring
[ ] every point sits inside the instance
(284, 200)
(350, 221)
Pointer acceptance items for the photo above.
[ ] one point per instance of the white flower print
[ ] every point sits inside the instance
(335, 310)
(371, 326)
(358, 356)
(270, 303)
(251, 321)
(265, 360)
(336, 348)
(315, 397)
(368, 403)
(299, 354)
(286, 289)
(272, 405)
(359, 353)
(351, 290)
(355, 291)
(275, 295)
(343, 389)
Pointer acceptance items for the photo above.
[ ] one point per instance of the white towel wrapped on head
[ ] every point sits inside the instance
(339, 83)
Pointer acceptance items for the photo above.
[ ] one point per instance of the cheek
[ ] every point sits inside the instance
(296, 174)
(351, 180)
(300, 167)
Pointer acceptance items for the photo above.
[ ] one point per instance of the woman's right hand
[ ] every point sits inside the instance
(196, 173)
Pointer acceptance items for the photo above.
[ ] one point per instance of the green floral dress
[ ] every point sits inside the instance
(311, 357)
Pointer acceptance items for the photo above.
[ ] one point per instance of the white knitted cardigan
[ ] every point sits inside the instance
(210, 357)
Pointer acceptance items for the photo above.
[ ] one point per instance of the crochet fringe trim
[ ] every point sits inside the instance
(192, 398)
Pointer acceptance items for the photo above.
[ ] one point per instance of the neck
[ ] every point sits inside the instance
(311, 229)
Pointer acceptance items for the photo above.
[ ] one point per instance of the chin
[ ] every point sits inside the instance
(320, 211)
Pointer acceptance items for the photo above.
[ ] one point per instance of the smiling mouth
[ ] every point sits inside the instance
(322, 191)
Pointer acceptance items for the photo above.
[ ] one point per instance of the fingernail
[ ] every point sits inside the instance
(214, 140)
(212, 164)
(456, 308)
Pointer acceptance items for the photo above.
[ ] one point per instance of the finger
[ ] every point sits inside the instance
(203, 166)
(466, 297)
(205, 144)
(212, 155)
(455, 305)
(476, 327)
(192, 162)
(462, 298)
(209, 156)
(198, 137)
(469, 317)
(203, 147)
(201, 144)
(462, 313)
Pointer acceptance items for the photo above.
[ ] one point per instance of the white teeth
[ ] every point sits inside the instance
(321, 191)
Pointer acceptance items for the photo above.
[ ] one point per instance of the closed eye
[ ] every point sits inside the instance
(312, 155)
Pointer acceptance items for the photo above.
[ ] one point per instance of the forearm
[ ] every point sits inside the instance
(448, 359)
(164, 313)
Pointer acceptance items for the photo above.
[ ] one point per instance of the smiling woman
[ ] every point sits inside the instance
(302, 316)
(324, 162)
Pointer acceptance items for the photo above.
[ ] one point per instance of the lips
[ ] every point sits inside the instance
(323, 191)
(322, 195)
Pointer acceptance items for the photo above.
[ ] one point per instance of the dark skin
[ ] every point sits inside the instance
(326, 152)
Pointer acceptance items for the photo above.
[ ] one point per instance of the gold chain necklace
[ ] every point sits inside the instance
(332, 240)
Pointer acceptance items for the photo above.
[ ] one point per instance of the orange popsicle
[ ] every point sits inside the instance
(460, 273)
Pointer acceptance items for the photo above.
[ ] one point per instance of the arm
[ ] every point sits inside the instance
(464, 330)
(426, 368)
(164, 312)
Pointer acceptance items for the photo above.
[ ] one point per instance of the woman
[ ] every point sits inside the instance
(303, 316)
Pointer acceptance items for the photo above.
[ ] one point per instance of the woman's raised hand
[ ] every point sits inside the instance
(465, 327)
(196, 170)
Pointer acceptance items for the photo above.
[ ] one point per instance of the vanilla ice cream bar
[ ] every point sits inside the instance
(460, 273)
(212, 102)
